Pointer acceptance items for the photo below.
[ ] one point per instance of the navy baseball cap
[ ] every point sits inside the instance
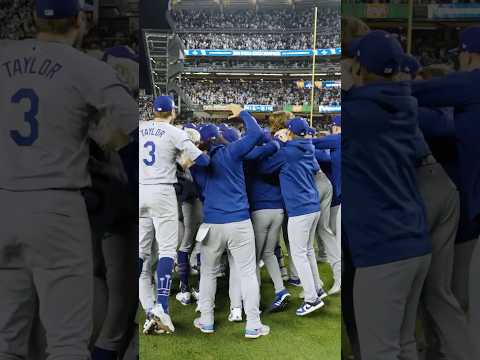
(380, 53)
(337, 120)
(208, 132)
(470, 40)
(410, 65)
(163, 104)
(299, 126)
(230, 134)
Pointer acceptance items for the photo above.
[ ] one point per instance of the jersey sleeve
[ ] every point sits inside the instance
(183, 144)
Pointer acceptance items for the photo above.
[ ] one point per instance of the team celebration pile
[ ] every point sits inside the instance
(213, 198)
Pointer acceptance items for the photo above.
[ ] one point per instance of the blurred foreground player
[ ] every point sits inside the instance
(388, 242)
(51, 95)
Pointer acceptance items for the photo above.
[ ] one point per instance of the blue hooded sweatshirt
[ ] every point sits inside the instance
(223, 182)
(334, 143)
(462, 92)
(298, 166)
(383, 214)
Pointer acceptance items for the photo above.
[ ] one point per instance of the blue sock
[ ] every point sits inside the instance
(183, 270)
(164, 275)
(140, 267)
(102, 354)
(198, 261)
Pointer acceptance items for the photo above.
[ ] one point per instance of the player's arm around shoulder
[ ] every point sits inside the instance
(191, 154)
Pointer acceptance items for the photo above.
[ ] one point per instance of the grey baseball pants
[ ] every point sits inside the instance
(301, 234)
(445, 323)
(267, 224)
(239, 239)
(386, 299)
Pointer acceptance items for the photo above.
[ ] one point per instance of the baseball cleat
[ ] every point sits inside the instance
(185, 298)
(149, 326)
(194, 270)
(235, 315)
(294, 282)
(195, 294)
(280, 302)
(322, 294)
(308, 308)
(284, 272)
(162, 319)
(336, 288)
(256, 333)
(206, 329)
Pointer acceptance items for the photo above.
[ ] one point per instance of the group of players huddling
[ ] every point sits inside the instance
(235, 192)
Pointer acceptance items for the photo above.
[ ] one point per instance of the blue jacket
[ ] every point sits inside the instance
(334, 143)
(223, 182)
(383, 214)
(462, 92)
(298, 166)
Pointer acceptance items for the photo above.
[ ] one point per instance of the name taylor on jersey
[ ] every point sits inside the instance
(152, 132)
(31, 65)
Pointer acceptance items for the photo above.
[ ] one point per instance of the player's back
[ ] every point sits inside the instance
(158, 148)
(48, 93)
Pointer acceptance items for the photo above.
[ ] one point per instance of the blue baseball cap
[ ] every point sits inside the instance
(380, 53)
(410, 65)
(230, 134)
(470, 40)
(208, 132)
(337, 120)
(299, 126)
(57, 9)
(163, 104)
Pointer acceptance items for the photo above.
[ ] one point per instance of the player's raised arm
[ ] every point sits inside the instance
(253, 133)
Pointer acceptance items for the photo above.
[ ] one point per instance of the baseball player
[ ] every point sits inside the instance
(160, 144)
(51, 94)
(460, 91)
(227, 223)
(331, 238)
(297, 166)
(384, 222)
(444, 321)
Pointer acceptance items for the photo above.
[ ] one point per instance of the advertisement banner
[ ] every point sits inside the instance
(376, 11)
(454, 11)
(258, 108)
(261, 53)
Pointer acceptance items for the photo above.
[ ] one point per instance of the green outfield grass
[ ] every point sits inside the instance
(316, 336)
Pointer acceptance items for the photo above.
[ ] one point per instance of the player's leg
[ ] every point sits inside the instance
(186, 243)
(293, 279)
(312, 259)
(63, 277)
(122, 300)
(474, 298)
(270, 260)
(336, 249)
(18, 305)
(261, 224)
(211, 250)
(392, 297)
(234, 291)
(299, 233)
(241, 243)
(445, 322)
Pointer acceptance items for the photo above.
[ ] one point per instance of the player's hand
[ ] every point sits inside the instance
(235, 109)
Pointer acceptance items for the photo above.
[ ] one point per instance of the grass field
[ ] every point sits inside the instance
(316, 336)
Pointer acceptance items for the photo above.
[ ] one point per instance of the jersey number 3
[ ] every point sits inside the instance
(29, 117)
(151, 146)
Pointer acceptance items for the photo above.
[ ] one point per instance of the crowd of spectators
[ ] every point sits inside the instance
(270, 41)
(278, 20)
(276, 93)
(145, 107)
(425, 2)
(17, 18)
(249, 64)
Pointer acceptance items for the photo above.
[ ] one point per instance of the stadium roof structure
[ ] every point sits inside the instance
(250, 4)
